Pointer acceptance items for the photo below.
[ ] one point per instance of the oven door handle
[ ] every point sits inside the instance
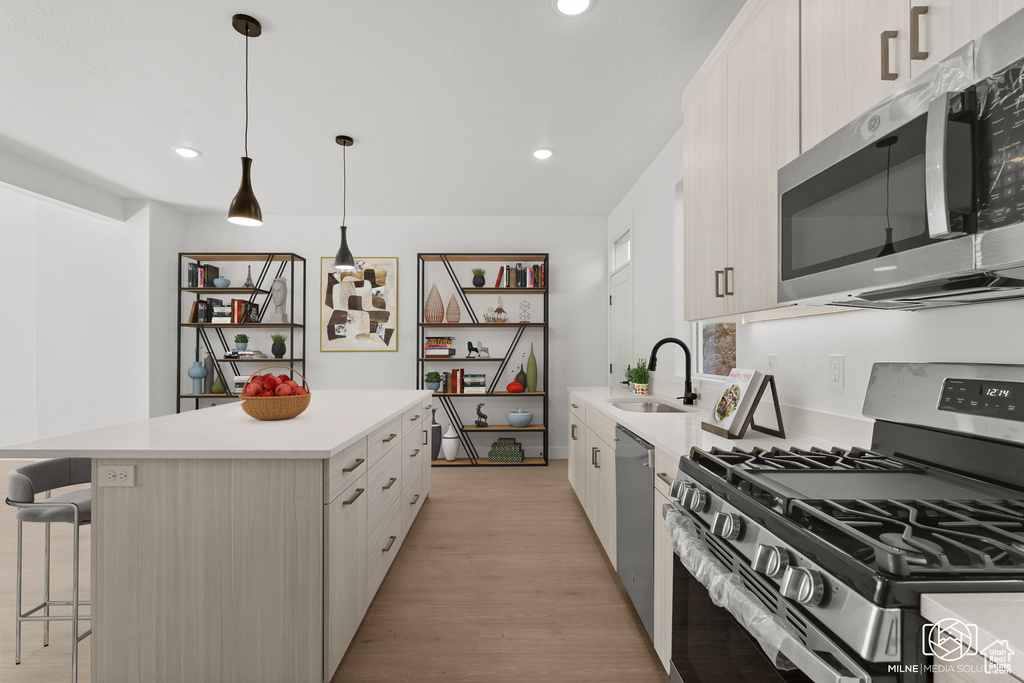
(935, 168)
(727, 591)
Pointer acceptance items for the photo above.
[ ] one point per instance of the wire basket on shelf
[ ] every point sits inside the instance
(275, 407)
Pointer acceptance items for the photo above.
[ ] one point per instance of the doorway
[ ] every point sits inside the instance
(620, 300)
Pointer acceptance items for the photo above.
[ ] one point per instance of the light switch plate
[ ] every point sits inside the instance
(772, 364)
(116, 475)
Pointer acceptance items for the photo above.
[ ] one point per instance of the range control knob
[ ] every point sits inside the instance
(803, 585)
(771, 560)
(727, 525)
(676, 489)
(694, 499)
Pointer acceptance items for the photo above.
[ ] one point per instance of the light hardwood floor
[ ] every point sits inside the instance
(499, 579)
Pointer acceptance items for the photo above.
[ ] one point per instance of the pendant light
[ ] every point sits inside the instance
(245, 210)
(344, 260)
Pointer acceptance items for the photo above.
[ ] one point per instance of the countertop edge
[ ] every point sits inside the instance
(995, 615)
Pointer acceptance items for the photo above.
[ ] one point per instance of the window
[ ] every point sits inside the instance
(621, 251)
(716, 348)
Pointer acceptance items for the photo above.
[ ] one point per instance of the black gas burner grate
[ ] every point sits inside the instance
(797, 459)
(921, 537)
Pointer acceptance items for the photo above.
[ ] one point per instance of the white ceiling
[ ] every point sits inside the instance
(445, 99)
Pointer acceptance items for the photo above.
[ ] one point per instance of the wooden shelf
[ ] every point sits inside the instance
(492, 393)
(235, 256)
(208, 395)
(503, 428)
(285, 325)
(494, 258)
(271, 360)
(482, 324)
(456, 359)
(225, 290)
(504, 290)
(462, 462)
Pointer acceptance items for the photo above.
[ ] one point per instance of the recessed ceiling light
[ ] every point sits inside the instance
(572, 8)
(542, 153)
(188, 152)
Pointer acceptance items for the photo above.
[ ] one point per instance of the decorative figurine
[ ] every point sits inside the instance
(279, 294)
(482, 351)
(481, 419)
(472, 350)
(248, 279)
(524, 308)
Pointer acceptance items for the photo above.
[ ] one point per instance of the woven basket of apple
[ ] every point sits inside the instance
(274, 397)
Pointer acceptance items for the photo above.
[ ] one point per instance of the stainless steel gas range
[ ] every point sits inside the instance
(809, 565)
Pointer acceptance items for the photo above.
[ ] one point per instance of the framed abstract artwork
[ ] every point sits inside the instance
(359, 309)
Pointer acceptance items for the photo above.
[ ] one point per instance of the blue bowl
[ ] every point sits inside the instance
(520, 418)
(222, 282)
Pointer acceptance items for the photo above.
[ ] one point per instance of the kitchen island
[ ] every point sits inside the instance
(230, 549)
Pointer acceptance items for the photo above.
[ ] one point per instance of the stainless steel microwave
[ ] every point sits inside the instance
(919, 202)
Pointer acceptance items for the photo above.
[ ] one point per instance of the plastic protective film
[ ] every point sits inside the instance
(726, 588)
(1000, 98)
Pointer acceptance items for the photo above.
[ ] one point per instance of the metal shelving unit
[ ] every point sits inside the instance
(495, 388)
(258, 294)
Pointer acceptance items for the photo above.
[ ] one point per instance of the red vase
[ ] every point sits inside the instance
(514, 387)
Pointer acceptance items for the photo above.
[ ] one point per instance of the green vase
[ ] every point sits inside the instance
(218, 386)
(531, 371)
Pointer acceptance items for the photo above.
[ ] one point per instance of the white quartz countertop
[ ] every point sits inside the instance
(333, 421)
(997, 616)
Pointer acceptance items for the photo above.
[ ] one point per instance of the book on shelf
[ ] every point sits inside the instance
(501, 274)
(734, 405)
(240, 311)
(475, 390)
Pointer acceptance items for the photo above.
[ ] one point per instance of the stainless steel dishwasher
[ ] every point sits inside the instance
(634, 521)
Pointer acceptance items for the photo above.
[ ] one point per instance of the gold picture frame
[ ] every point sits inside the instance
(359, 309)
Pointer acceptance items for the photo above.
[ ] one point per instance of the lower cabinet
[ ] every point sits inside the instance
(345, 597)
(600, 483)
(578, 457)
(663, 556)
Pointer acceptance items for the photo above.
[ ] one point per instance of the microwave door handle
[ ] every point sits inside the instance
(935, 169)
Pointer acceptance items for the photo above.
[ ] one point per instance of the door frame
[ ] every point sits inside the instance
(612, 272)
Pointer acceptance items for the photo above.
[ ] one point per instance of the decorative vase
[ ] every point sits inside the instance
(521, 376)
(478, 280)
(531, 371)
(450, 444)
(453, 314)
(514, 387)
(640, 389)
(433, 310)
(208, 363)
(221, 282)
(197, 372)
(433, 386)
(435, 435)
(278, 349)
(520, 418)
(241, 345)
(217, 387)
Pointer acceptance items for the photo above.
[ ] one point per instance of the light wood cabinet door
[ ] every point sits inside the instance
(950, 24)
(600, 483)
(345, 597)
(578, 462)
(841, 48)
(705, 196)
(662, 583)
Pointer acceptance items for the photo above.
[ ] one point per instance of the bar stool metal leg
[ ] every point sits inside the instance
(17, 603)
(46, 584)
(74, 607)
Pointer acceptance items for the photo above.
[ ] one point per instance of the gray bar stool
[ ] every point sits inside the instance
(75, 507)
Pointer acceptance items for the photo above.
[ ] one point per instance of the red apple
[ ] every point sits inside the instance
(299, 391)
(283, 390)
(270, 382)
(267, 393)
(292, 383)
(253, 389)
(284, 378)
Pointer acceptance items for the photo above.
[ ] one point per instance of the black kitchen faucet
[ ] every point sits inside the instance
(688, 396)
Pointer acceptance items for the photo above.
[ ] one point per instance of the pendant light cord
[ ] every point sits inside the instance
(247, 90)
(344, 185)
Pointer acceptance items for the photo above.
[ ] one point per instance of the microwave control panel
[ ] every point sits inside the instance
(1001, 138)
(1004, 400)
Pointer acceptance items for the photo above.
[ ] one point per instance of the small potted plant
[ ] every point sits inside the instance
(433, 380)
(641, 376)
(241, 341)
(478, 277)
(278, 347)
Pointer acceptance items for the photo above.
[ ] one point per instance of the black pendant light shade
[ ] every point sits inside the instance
(244, 209)
(344, 260)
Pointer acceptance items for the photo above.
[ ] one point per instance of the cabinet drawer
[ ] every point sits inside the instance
(412, 500)
(383, 439)
(411, 419)
(384, 486)
(381, 547)
(413, 453)
(576, 406)
(343, 469)
(664, 464)
(602, 425)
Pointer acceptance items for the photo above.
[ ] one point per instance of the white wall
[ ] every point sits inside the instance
(74, 330)
(166, 236)
(578, 312)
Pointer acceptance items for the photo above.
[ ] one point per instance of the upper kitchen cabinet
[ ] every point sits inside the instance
(940, 27)
(741, 122)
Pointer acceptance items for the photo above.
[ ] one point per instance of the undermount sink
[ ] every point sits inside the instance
(644, 406)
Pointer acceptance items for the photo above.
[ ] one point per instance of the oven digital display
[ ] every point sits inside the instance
(982, 397)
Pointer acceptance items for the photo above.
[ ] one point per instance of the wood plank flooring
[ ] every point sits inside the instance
(499, 579)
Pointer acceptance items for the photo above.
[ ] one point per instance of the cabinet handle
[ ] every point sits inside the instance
(597, 462)
(572, 431)
(718, 284)
(575, 406)
(725, 277)
(414, 418)
(664, 478)
(389, 438)
(391, 542)
(414, 453)
(390, 483)
(414, 499)
(886, 37)
(424, 438)
(350, 468)
(915, 32)
(351, 500)
(593, 456)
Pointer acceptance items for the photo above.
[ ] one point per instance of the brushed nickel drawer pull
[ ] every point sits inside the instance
(597, 462)
(389, 438)
(572, 432)
(414, 418)
(664, 478)
(391, 542)
(718, 284)
(424, 438)
(353, 466)
(417, 497)
(886, 74)
(915, 32)
(593, 456)
(390, 483)
(414, 453)
(351, 500)
(574, 406)
(725, 277)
